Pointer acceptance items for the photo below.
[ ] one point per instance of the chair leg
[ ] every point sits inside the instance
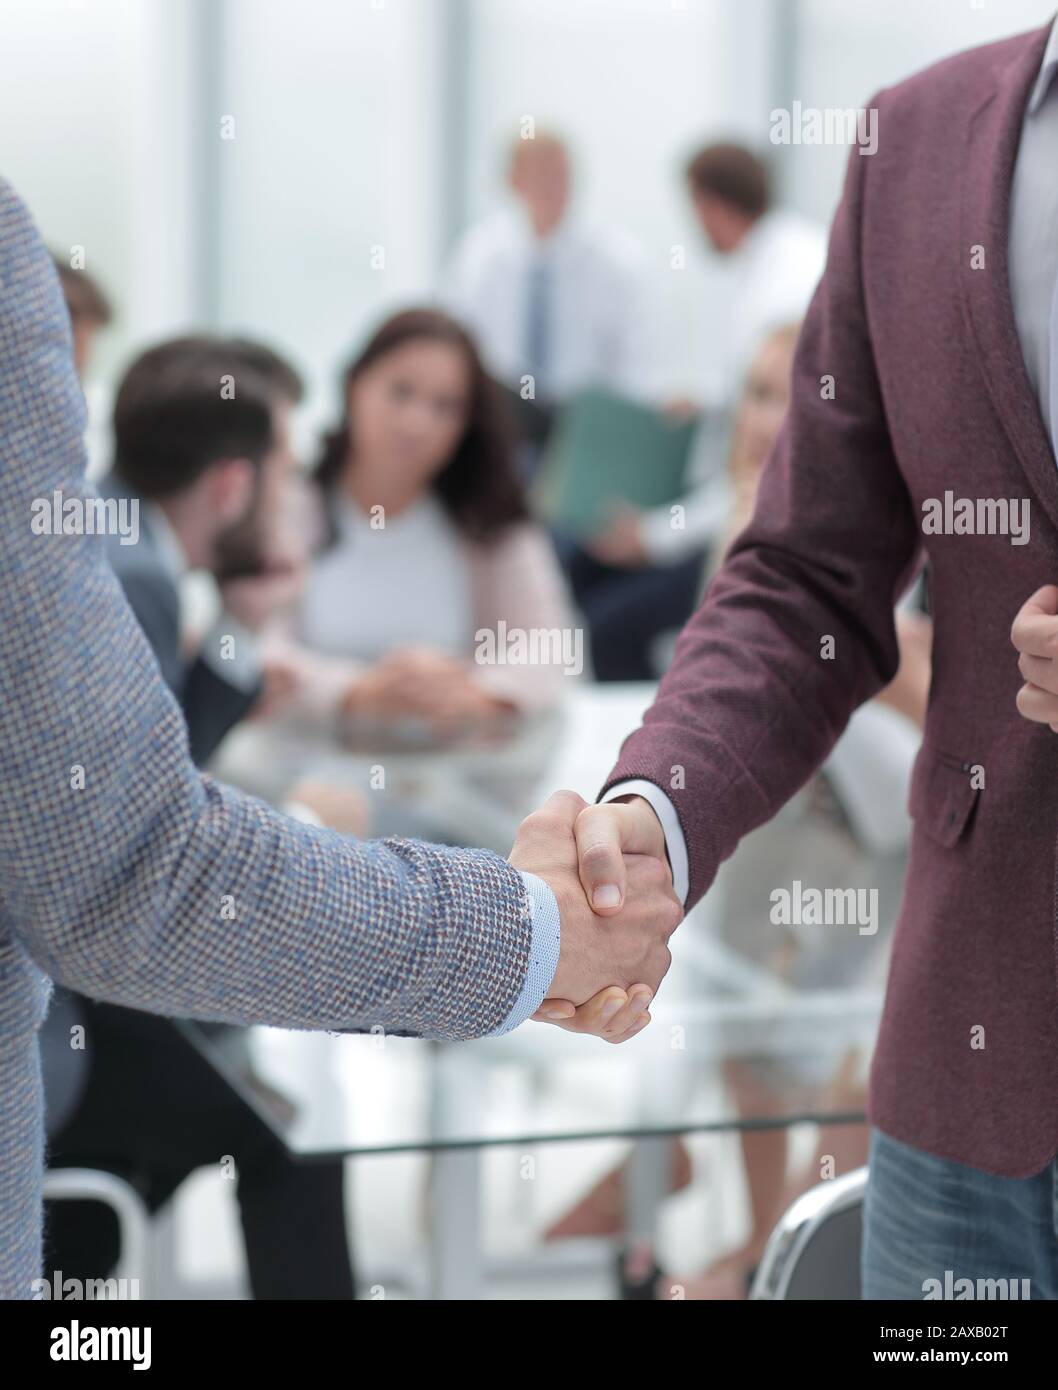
(133, 1218)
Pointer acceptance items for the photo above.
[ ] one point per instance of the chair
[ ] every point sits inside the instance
(64, 1071)
(134, 1220)
(814, 1251)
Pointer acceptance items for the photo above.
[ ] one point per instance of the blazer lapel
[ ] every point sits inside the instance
(988, 172)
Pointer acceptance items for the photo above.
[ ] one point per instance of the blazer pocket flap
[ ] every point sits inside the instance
(943, 796)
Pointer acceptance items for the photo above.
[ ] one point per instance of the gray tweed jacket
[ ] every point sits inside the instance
(128, 875)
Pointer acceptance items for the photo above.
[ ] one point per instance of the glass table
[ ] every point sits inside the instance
(367, 1094)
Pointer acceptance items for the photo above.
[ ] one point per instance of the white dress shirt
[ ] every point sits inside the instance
(775, 273)
(598, 331)
(1033, 247)
(769, 281)
(1033, 270)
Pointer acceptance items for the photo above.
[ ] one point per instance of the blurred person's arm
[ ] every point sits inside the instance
(431, 686)
(669, 536)
(520, 593)
(869, 770)
(908, 691)
(694, 522)
(334, 693)
(870, 766)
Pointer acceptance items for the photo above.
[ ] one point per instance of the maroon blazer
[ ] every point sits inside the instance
(931, 394)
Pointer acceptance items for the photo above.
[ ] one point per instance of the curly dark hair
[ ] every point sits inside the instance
(478, 486)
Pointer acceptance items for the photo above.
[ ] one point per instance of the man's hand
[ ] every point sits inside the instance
(604, 834)
(625, 947)
(615, 1015)
(1035, 635)
(621, 543)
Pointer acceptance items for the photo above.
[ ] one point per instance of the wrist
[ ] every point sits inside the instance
(653, 831)
(651, 819)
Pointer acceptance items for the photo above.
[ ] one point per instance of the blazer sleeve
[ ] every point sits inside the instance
(796, 629)
(126, 873)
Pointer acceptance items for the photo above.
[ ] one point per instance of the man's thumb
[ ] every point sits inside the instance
(600, 857)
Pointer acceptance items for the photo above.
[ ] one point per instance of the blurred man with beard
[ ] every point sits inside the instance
(201, 442)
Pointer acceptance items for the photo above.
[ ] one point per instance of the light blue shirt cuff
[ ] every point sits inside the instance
(544, 944)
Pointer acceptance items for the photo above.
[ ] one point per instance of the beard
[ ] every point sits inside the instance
(239, 551)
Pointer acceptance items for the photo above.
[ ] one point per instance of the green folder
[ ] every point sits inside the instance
(605, 449)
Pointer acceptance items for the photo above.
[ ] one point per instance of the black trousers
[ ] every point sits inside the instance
(627, 609)
(153, 1111)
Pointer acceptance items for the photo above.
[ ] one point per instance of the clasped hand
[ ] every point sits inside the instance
(608, 869)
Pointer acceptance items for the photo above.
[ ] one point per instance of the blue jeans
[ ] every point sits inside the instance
(930, 1222)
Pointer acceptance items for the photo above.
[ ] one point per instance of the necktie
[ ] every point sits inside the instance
(537, 324)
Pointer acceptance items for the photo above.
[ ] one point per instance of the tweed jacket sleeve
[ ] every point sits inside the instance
(130, 876)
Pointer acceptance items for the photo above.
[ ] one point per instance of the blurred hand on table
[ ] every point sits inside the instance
(425, 684)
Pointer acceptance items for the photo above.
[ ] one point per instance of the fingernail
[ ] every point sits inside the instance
(606, 895)
(610, 1008)
(554, 1013)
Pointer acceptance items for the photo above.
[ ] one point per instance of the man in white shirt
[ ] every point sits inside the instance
(776, 258)
(555, 301)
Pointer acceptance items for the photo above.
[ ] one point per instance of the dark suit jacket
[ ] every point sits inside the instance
(931, 394)
(210, 704)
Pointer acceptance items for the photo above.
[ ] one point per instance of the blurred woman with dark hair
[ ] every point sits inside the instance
(427, 546)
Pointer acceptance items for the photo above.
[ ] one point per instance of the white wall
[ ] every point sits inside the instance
(94, 113)
(848, 49)
(336, 151)
(110, 115)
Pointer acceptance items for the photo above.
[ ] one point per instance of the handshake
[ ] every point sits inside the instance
(608, 869)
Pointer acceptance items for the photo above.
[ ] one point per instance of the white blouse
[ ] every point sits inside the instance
(404, 583)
